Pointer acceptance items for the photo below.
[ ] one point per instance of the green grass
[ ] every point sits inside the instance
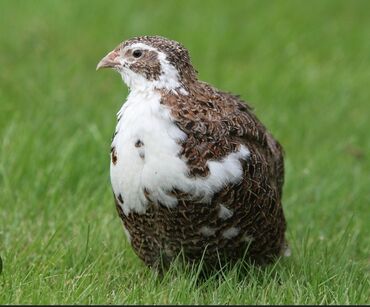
(303, 65)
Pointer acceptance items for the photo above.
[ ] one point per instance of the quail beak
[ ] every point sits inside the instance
(109, 61)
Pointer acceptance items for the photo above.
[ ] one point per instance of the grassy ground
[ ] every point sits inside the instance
(303, 65)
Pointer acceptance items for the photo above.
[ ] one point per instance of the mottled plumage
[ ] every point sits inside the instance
(192, 168)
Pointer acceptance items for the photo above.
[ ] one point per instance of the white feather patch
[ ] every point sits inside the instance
(127, 234)
(207, 231)
(142, 118)
(287, 252)
(230, 232)
(224, 213)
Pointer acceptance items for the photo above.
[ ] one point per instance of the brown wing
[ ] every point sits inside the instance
(216, 124)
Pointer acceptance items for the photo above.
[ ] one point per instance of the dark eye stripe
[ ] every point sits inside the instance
(137, 53)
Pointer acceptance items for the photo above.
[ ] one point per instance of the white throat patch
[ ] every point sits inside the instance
(155, 165)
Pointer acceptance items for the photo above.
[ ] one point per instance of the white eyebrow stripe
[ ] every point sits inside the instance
(142, 46)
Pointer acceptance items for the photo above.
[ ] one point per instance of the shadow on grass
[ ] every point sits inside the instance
(201, 273)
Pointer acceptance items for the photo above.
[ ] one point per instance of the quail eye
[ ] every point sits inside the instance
(137, 53)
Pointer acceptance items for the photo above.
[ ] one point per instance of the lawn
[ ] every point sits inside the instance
(303, 65)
